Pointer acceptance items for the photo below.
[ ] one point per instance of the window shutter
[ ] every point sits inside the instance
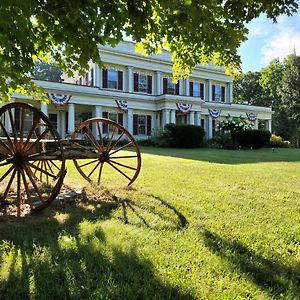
(177, 88)
(149, 84)
(191, 89)
(17, 119)
(120, 121)
(213, 92)
(135, 124)
(120, 80)
(92, 78)
(135, 82)
(223, 94)
(87, 78)
(149, 125)
(80, 80)
(105, 128)
(104, 78)
(202, 91)
(165, 85)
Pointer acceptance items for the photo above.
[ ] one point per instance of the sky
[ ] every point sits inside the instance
(267, 41)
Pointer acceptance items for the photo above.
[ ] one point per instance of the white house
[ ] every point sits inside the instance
(138, 92)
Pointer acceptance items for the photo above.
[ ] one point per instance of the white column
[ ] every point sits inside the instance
(181, 82)
(166, 117)
(153, 123)
(256, 123)
(71, 118)
(187, 86)
(173, 116)
(130, 120)
(229, 93)
(158, 123)
(198, 118)
(97, 113)
(7, 123)
(63, 124)
(191, 118)
(44, 108)
(96, 75)
(158, 85)
(129, 79)
(209, 90)
(210, 127)
(269, 125)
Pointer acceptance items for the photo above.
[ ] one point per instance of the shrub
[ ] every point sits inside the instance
(233, 126)
(223, 141)
(278, 142)
(253, 138)
(183, 136)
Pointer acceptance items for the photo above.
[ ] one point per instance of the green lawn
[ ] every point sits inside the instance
(203, 223)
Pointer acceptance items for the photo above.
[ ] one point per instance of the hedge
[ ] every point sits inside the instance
(253, 138)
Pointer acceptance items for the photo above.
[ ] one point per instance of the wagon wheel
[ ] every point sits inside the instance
(109, 145)
(32, 165)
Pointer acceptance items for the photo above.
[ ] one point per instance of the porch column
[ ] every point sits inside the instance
(44, 108)
(96, 75)
(97, 113)
(129, 79)
(63, 124)
(158, 123)
(187, 86)
(256, 123)
(192, 118)
(210, 127)
(269, 125)
(130, 120)
(166, 117)
(157, 87)
(209, 90)
(154, 123)
(71, 118)
(7, 123)
(173, 116)
(181, 83)
(229, 92)
(198, 118)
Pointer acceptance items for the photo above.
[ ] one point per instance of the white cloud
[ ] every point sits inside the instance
(281, 43)
(258, 30)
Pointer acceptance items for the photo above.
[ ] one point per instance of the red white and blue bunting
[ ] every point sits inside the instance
(122, 104)
(214, 113)
(59, 99)
(251, 116)
(185, 108)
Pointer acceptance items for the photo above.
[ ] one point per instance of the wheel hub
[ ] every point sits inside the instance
(104, 156)
(18, 159)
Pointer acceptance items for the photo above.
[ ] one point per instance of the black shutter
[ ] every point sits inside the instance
(177, 88)
(213, 92)
(165, 85)
(135, 124)
(120, 80)
(202, 91)
(149, 125)
(17, 119)
(149, 84)
(92, 83)
(104, 78)
(105, 128)
(191, 89)
(87, 78)
(135, 82)
(223, 94)
(120, 121)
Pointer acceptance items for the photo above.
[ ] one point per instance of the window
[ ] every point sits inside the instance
(169, 87)
(141, 125)
(112, 79)
(197, 89)
(218, 92)
(53, 119)
(116, 117)
(142, 83)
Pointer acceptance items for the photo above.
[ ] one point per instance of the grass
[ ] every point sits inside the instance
(197, 224)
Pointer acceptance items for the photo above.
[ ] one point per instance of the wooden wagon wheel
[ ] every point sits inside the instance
(32, 164)
(113, 147)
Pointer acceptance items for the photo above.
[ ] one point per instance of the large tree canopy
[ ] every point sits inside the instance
(195, 31)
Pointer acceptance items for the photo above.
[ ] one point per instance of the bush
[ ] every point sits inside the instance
(278, 142)
(183, 136)
(223, 141)
(253, 138)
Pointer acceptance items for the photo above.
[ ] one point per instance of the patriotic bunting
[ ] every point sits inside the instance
(251, 116)
(215, 113)
(184, 107)
(59, 99)
(122, 104)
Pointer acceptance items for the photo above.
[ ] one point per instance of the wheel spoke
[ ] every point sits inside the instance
(26, 188)
(41, 169)
(88, 163)
(22, 126)
(94, 169)
(54, 164)
(9, 184)
(49, 167)
(18, 193)
(31, 131)
(122, 165)
(13, 126)
(6, 147)
(37, 140)
(116, 142)
(96, 144)
(91, 140)
(125, 156)
(119, 170)
(119, 149)
(100, 171)
(111, 138)
(29, 174)
(100, 136)
(12, 146)
(5, 163)
(6, 173)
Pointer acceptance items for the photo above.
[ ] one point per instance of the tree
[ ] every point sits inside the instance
(290, 93)
(69, 31)
(247, 89)
(43, 71)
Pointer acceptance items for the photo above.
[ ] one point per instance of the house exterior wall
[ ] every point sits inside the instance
(93, 99)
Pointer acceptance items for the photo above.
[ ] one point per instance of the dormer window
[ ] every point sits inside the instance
(112, 79)
(142, 83)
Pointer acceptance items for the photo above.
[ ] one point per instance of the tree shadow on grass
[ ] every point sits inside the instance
(271, 275)
(68, 257)
(231, 157)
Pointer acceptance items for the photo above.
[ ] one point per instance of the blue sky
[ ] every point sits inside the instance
(267, 41)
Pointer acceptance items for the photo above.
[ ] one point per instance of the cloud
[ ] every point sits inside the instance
(258, 30)
(281, 43)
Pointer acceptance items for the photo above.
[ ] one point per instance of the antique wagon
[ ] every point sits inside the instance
(33, 156)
